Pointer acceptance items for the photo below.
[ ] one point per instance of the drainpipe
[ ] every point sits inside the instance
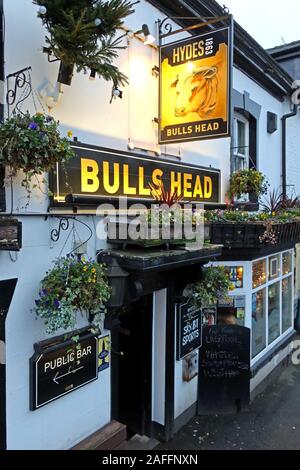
(283, 123)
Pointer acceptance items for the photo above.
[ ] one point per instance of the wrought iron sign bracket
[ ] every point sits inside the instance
(64, 224)
(165, 28)
(20, 81)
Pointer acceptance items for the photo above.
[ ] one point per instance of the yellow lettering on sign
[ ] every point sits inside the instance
(208, 187)
(175, 183)
(142, 190)
(157, 176)
(187, 185)
(89, 176)
(127, 189)
(198, 189)
(111, 188)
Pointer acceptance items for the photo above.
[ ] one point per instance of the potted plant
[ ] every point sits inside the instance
(247, 182)
(214, 285)
(32, 144)
(73, 285)
(81, 34)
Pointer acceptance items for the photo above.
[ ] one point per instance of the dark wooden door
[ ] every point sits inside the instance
(6, 293)
(135, 366)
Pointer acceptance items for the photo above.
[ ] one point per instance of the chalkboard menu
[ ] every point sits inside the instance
(188, 329)
(224, 369)
(58, 370)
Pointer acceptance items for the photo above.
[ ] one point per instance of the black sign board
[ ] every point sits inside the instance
(195, 84)
(105, 174)
(62, 369)
(188, 329)
(224, 369)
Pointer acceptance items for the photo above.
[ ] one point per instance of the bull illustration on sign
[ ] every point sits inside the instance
(197, 93)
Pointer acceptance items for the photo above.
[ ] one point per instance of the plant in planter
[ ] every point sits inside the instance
(32, 144)
(73, 285)
(214, 285)
(248, 181)
(82, 34)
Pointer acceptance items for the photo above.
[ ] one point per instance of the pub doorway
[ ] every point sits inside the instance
(7, 289)
(132, 365)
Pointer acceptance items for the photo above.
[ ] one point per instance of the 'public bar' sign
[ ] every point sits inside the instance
(109, 174)
(195, 88)
(59, 370)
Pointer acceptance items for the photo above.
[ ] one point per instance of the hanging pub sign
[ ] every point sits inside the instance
(101, 174)
(188, 329)
(195, 88)
(61, 368)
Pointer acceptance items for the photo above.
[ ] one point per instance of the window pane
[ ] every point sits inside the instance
(274, 312)
(274, 267)
(286, 263)
(239, 163)
(259, 273)
(241, 137)
(287, 303)
(258, 322)
(235, 275)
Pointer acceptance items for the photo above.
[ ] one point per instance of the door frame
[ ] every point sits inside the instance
(6, 296)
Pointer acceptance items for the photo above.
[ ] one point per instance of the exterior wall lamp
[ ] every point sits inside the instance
(149, 39)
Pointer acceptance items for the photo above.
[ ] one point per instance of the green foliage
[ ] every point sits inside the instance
(214, 285)
(74, 38)
(32, 144)
(70, 286)
(248, 181)
(236, 216)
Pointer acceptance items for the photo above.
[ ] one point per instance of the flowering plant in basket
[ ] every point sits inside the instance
(71, 286)
(32, 144)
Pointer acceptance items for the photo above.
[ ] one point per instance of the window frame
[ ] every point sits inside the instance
(245, 157)
(266, 285)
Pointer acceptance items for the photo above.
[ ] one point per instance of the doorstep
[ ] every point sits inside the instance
(113, 436)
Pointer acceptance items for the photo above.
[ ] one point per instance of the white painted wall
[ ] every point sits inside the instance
(185, 393)
(159, 356)
(293, 155)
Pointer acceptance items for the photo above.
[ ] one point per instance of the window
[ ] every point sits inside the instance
(287, 303)
(241, 143)
(272, 300)
(258, 322)
(259, 273)
(274, 267)
(235, 275)
(287, 263)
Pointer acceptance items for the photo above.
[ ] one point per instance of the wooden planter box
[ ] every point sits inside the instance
(10, 235)
(247, 235)
(118, 234)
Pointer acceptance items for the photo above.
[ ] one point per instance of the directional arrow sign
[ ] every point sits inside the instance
(71, 371)
(55, 373)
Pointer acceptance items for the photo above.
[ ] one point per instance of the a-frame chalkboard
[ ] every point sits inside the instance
(224, 369)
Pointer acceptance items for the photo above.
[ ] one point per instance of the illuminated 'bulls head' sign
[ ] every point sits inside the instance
(105, 174)
(195, 88)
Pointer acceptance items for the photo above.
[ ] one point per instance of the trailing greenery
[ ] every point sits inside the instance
(236, 216)
(83, 32)
(248, 181)
(32, 144)
(214, 285)
(72, 285)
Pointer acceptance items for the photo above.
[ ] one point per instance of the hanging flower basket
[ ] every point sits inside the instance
(73, 286)
(32, 144)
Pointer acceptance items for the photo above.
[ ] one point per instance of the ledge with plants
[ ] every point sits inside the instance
(276, 226)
